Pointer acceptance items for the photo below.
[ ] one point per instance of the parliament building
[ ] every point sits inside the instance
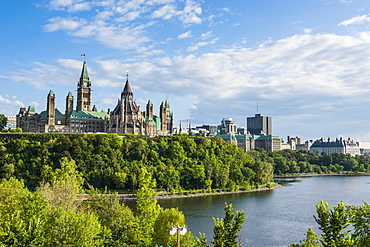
(126, 118)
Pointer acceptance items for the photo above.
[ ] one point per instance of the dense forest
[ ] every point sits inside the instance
(110, 161)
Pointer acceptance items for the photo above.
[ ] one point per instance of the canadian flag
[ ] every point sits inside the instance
(82, 55)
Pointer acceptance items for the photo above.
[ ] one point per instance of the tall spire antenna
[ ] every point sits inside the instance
(126, 74)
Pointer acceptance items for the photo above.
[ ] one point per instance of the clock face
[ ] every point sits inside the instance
(85, 84)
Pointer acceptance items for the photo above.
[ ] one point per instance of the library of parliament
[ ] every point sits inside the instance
(125, 118)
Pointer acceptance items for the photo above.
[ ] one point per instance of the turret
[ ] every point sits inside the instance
(50, 111)
(69, 104)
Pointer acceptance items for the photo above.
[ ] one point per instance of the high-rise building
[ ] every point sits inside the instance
(258, 124)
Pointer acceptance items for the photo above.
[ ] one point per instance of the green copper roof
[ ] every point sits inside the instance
(89, 115)
(31, 110)
(167, 104)
(57, 114)
(84, 74)
(51, 93)
(69, 95)
(94, 108)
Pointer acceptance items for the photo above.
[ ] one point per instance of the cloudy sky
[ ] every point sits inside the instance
(305, 63)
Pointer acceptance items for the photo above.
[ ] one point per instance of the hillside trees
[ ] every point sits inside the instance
(114, 162)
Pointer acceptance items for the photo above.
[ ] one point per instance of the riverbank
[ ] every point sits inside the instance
(320, 175)
(172, 196)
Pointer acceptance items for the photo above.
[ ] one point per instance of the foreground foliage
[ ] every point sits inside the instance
(51, 216)
(337, 224)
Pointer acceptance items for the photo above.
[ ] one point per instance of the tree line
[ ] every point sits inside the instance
(295, 162)
(111, 161)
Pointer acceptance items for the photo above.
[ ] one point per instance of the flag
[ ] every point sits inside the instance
(82, 55)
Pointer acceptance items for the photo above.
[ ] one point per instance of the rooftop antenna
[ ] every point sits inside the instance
(127, 74)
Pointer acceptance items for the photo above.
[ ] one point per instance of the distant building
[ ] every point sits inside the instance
(245, 140)
(259, 124)
(326, 146)
(11, 123)
(227, 126)
(364, 147)
(126, 118)
(209, 130)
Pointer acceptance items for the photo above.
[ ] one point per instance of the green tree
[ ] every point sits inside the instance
(361, 223)
(3, 121)
(311, 240)
(22, 215)
(147, 208)
(116, 217)
(62, 191)
(68, 228)
(333, 223)
(225, 230)
(166, 219)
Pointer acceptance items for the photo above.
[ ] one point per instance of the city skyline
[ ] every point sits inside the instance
(305, 63)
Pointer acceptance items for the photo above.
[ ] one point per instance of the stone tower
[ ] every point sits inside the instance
(84, 99)
(166, 117)
(69, 104)
(50, 111)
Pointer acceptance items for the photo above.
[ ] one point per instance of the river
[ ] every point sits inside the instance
(278, 217)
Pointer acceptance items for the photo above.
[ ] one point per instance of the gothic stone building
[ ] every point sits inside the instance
(126, 118)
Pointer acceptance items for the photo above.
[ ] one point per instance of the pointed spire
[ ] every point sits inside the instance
(127, 89)
(69, 96)
(167, 103)
(84, 79)
(51, 93)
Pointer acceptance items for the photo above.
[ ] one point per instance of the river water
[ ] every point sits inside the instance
(274, 218)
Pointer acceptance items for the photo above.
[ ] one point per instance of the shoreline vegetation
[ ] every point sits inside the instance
(323, 174)
(167, 195)
(162, 195)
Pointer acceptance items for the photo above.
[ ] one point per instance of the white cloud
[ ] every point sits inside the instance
(355, 20)
(11, 102)
(200, 44)
(59, 4)
(185, 35)
(189, 15)
(59, 23)
(206, 35)
(165, 12)
(120, 24)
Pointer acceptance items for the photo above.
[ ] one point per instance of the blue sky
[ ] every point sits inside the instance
(306, 62)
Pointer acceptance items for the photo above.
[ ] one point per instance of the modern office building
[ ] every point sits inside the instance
(259, 124)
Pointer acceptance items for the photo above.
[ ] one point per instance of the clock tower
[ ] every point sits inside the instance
(84, 91)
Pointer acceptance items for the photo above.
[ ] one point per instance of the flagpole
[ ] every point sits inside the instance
(84, 55)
